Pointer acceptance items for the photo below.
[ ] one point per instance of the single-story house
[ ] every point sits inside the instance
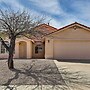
(69, 42)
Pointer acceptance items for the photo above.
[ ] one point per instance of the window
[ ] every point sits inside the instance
(38, 49)
(3, 49)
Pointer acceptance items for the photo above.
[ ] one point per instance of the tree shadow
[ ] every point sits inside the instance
(74, 79)
(47, 74)
(86, 61)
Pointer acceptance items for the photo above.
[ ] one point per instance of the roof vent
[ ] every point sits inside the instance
(75, 27)
(48, 23)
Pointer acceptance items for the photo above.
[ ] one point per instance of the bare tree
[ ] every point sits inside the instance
(14, 24)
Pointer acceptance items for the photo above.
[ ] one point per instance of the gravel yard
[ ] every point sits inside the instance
(30, 72)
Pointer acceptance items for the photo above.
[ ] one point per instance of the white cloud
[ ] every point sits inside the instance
(56, 23)
(13, 4)
(83, 8)
(60, 23)
(53, 8)
(50, 6)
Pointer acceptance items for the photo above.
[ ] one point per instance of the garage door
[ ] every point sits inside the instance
(71, 49)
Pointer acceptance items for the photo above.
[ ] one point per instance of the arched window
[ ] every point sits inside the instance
(3, 49)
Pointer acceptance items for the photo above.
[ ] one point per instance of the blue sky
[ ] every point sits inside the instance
(59, 12)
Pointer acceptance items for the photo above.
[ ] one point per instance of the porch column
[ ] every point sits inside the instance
(29, 49)
(48, 48)
(16, 50)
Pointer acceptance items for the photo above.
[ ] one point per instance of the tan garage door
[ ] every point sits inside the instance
(71, 49)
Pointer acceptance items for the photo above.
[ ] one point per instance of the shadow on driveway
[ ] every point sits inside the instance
(87, 61)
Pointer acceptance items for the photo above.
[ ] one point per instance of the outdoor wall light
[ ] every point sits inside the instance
(48, 41)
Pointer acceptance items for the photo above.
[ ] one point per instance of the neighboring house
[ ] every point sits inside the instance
(69, 42)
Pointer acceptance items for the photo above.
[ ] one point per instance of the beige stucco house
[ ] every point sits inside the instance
(69, 42)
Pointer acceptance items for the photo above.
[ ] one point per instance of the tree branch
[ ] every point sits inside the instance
(5, 45)
(6, 24)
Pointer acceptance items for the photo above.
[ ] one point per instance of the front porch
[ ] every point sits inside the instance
(26, 49)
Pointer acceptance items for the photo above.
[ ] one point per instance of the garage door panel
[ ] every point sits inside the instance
(71, 49)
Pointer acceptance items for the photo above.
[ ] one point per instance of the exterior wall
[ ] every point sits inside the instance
(68, 43)
(49, 48)
(29, 49)
(3, 55)
(16, 55)
(71, 34)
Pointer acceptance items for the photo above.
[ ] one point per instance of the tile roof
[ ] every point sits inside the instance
(69, 26)
(44, 29)
(47, 30)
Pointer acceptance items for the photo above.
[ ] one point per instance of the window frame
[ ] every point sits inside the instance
(3, 48)
(38, 49)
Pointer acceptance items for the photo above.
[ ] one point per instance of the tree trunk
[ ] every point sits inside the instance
(10, 61)
(11, 52)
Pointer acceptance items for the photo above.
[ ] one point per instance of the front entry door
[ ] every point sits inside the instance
(38, 50)
(22, 49)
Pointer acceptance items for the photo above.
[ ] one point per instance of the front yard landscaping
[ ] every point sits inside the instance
(38, 74)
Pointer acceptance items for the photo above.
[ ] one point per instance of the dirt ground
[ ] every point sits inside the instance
(30, 72)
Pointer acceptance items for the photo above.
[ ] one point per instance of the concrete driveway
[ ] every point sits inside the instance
(76, 69)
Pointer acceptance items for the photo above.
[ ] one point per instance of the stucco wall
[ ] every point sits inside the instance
(67, 41)
(70, 33)
(29, 49)
(16, 55)
(49, 48)
(3, 55)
